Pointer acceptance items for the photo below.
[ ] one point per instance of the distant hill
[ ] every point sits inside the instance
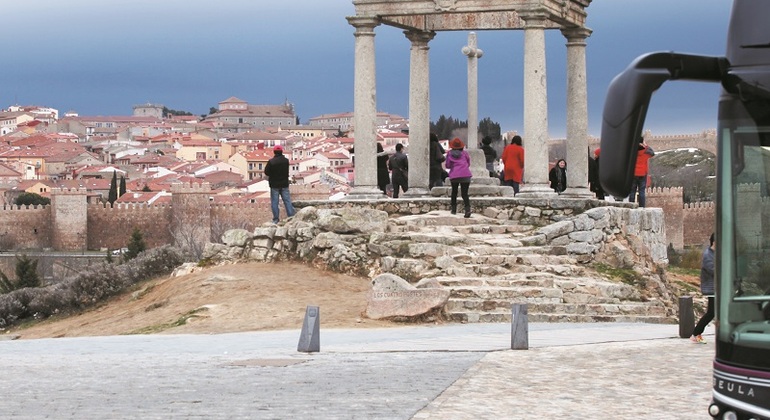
(691, 168)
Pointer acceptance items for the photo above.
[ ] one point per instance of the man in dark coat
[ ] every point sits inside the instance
(436, 158)
(277, 171)
(399, 168)
(593, 175)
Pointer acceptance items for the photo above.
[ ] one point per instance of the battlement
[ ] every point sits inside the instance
(191, 188)
(669, 191)
(708, 205)
(99, 207)
(69, 191)
(14, 207)
(748, 188)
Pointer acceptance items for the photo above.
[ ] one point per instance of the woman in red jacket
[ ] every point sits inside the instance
(513, 164)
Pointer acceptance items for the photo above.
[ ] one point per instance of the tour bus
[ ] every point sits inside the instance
(741, 369)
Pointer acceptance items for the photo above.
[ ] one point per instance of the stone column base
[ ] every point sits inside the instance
(579, 192)
(536, 191)
(365, 193)
(416, 192)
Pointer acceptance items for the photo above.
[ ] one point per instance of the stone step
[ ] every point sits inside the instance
(494, 229)
(475, 317)
(536, 305)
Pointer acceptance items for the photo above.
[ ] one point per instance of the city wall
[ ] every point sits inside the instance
(70, 224)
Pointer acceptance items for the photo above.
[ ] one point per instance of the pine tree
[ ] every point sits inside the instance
(122, 189)
(26, 272)
(135, 245)
(113, 194)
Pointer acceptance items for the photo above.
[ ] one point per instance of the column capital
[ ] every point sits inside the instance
(576, 35)
(364, 25)
(420, 38)
(534, 19)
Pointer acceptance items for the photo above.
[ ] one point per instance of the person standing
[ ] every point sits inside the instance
(558, 176)
(641, 170)
(490, 155)
(383, 176)
(277, 172)
(707, 288)
(593, 175)
(399, 169)
(458, 162)
(513, 164)
(436, 159)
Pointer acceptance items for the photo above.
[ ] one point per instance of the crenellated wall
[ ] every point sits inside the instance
(111, 227)
(23, 227)
(71, 224)
(686, 224)
(670, 200)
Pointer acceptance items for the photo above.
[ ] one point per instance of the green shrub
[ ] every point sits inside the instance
(94, 284)
(691, 258)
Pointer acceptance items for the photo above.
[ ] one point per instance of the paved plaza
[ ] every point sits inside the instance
(571, 371)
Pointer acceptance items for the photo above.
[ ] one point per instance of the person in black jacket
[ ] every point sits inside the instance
(558, 176)
(490, 155)
(383, 175)
(399, 168)
(437, 173)
(277, 171)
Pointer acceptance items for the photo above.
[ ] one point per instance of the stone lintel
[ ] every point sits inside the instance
(456, 15)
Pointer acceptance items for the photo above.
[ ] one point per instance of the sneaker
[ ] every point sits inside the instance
(697, 339)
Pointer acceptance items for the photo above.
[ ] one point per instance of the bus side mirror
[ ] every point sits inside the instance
(625, 109)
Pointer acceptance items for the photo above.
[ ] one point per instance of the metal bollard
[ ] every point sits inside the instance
(309, 338)
(686, 317)
(519, 327)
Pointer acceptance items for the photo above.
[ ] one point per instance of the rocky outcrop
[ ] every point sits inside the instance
(485, 263)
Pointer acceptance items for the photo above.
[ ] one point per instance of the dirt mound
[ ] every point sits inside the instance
(222, 299)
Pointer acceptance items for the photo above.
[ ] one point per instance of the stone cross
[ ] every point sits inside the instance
(474, 53)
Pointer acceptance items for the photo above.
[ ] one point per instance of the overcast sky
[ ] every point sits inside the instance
(103, 57)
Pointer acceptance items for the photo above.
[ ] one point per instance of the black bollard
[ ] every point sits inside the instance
(309, 338)
(519, 327)
(686, 317)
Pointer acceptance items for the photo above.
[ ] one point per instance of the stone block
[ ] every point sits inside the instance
(393, 297)
(236, 237)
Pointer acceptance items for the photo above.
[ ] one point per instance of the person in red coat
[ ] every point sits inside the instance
(513, 164)
(641, 170)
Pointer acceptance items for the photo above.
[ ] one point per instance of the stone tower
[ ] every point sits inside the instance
(191, 215)
(70, 219)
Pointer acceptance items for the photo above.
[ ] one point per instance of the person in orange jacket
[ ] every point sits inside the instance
(513, 164)
(641, 171)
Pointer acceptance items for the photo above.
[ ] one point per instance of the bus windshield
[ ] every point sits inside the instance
(743, 290)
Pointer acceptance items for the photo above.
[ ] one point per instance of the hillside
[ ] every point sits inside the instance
(691, 168)
(221, 299)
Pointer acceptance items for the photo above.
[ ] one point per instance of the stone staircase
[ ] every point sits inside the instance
(489, 264)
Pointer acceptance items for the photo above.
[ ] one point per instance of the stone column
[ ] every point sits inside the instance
(474, 53)
(478, 161)
(419, 113)
(535, 138)
(577, 114)
(365, 110)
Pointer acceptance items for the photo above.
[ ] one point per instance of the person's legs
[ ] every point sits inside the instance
(466, 200)
(632, 195)
(274, 203)
(515, 186)
(396, 187)
(286, 202)
(705, 319)
(642, 183)
(453, 198)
